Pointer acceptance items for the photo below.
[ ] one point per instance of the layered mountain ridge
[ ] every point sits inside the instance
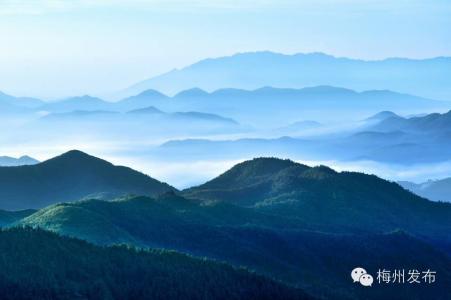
(256, 69)
(264, 209)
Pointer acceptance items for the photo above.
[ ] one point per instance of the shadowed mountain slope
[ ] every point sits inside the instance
(69, 177)
(282, 247)
(53, 267)
(322, 197)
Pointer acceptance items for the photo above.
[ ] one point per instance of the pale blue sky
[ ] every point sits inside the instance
(61, 48)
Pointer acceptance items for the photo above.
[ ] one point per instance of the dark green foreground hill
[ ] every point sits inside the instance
(280, 247)
(69, 177)
(36, 264)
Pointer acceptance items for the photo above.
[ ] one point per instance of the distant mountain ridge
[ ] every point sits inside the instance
(7, 161)
(383, 137)
(436, 190)
(24, 102)
(85, 103)
(381, 116)
(256, 106)
(70, 177)
(149, 111)
(141, 100)
(251, 70)
(429, 123)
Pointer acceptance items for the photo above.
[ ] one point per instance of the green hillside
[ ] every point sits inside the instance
(69, 177)
(36, 264)
(284, 220)
(327, 200)
(277, 246)
(147, 221)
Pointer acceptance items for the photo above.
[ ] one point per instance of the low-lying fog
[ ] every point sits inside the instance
(185, 142)
(183, 172)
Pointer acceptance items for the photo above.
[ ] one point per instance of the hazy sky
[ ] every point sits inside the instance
(61, 48)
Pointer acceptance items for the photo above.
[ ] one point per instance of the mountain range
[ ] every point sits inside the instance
(266, 209)
(79, 227)
(7, 161)
(149, 112)
(11, 103)
(257, 106)
(70, 177)
(437, 190)
(430, 123)
(384, 137)
(425, 77)
(142, 124)
(252, 106)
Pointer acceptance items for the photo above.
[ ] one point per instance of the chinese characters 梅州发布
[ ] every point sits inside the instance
(412, 276)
